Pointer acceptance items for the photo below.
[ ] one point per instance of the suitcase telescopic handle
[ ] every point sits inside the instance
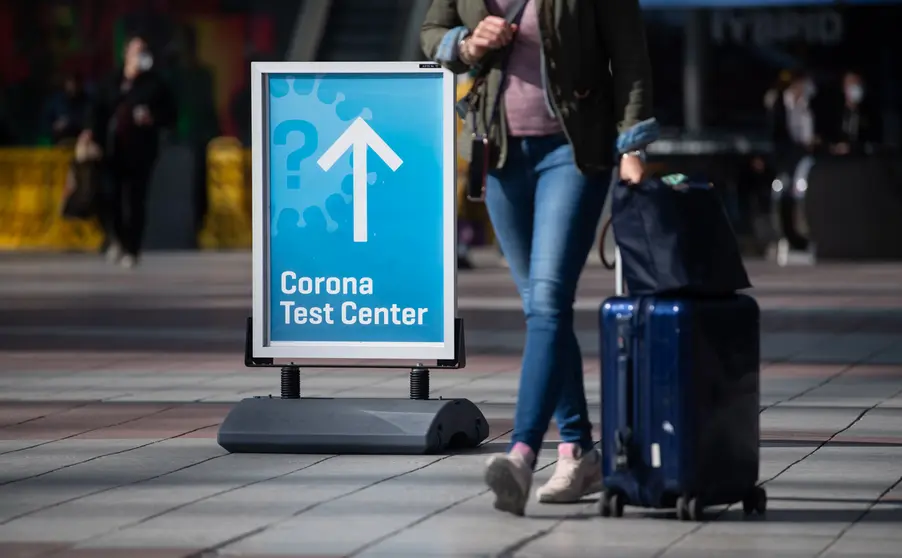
(618, 272)
(623, 434)
(617, 264)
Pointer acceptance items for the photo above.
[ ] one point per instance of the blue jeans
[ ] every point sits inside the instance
(545, 214)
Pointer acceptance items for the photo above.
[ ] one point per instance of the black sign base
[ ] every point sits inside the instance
(352, 426)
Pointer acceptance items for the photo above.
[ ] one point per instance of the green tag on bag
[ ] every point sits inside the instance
(674, 179)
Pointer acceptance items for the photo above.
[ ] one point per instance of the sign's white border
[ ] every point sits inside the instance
(262, 346)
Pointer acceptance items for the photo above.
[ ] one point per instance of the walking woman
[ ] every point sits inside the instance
(132, 106)
(567, 99)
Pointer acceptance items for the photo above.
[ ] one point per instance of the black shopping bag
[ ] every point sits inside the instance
(675, 237)
(81, 199)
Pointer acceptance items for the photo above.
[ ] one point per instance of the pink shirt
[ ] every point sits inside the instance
(524, 95)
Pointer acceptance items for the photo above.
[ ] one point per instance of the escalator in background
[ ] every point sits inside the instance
(365, 30)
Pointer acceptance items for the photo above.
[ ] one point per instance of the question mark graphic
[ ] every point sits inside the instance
(293, 162)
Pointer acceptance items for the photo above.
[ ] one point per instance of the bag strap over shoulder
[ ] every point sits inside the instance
(512, 17)
(496, 59)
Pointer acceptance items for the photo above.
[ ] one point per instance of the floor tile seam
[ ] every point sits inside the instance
(822, 444)
(196, 500)
(807, 390)
(96, 457)
(843, 371)
(105, 489)
(133, 419)
(828, 441)
(680, 538)
(859, 518)
(214, 550)
(75, 405)
(886, 349)
(511, 550)
(791, 406)
(848, 329)
(805, 346)
(432, 514)
(699, 527)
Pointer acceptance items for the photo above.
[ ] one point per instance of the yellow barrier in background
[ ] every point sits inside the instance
(228, 222)
(32, 182)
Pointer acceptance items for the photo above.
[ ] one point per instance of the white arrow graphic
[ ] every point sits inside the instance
(358, 137)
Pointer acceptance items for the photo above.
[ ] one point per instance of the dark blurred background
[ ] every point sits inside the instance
(715, 63)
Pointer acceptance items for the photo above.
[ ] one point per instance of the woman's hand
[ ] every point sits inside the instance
(492, 33)
(632, 169)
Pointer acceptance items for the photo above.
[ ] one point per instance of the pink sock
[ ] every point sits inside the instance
(525, 451)
(568, 449)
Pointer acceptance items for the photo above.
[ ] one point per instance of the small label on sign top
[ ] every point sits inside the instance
(656, 456)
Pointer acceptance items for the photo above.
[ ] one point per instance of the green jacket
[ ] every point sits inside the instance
(603, 113)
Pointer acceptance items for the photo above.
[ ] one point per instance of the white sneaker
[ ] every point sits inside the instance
(128, 261)
(114, 252)
(510, 478)
(575, 475)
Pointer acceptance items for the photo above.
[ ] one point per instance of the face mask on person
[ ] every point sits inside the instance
(145, 61)
(854, 93)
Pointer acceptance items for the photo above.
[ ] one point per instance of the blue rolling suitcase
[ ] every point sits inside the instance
(680, 404)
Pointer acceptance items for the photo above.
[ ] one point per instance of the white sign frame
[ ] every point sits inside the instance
(262, 346)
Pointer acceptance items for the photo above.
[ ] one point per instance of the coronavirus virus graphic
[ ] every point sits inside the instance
(308, 114)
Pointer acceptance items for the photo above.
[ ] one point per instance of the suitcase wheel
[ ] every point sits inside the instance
(611, 504)
(755, 502)
(689, 508)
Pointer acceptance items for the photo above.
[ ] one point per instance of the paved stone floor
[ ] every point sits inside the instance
(112, 384)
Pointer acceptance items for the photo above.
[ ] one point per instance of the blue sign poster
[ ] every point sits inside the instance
(354, 217)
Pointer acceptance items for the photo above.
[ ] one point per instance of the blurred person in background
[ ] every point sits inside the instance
(67, 110)
(857, 125)
(792, 122)
(194, 84)
(776, 90)
(756, 178)
(568, 91)
(131, 107)
(240, 101)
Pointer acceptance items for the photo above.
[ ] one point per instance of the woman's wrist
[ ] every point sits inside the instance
(463, 51)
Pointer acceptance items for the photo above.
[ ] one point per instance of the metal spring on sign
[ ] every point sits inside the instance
(419, 383)
(291, 382)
